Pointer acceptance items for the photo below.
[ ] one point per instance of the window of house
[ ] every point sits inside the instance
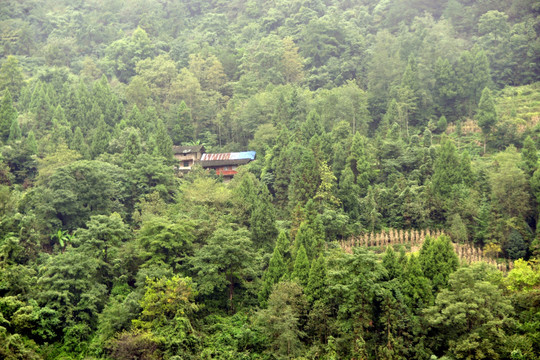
(186, 163)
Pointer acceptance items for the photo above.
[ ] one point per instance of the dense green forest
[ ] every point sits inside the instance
(391, 213)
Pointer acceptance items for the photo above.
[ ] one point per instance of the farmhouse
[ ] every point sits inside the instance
(224, 164)
(187, 156)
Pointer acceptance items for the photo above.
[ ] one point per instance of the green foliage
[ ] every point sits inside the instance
(226, 259)
(438, 260)
(416, 287)
(316, 285)
(365, 116)
(301, 267)
(473, 313)
(168, 309)
(85, 188)
(509, 184)
(281, 320)
(442, 124)
(446, 168)
(486, 114)
(515, 247)
(8, 115)
(164, 241)
(263, 221)
(11, 77)
(529, 156)
(69, 293)
(276, 271)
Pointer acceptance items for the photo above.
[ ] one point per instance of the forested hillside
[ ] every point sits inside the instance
(391, 212)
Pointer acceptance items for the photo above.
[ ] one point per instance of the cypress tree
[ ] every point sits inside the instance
(31, 144)
(181, 126)
(41, 107)
(283, 244)
(277, 269)
(100, 140)
(133, 147)
(11, 76)
(482, 74)
(163, 146)
(78, 143)
(316, 285)
(481, 232)
(438, 260)
(301, 267)
(427, 138)
(465, 169)
(7, 114)
(135, 119)
(516, 247)
(14, 131)
(263, 220)
(416, 287)
(361, 163)
(446, 172)
(486, 114)
(349, 193)
(529, 156)
(442, 124)
(311, 127)
(390, 263)
(304, 179)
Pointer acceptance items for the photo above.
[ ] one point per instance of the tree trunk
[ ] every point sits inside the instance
(231, 293)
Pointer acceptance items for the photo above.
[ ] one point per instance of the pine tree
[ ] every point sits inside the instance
(7, 114)
(390, 118)
(326, 192)
(107, 101)
(486, 114)
(316, 286)
(301, 267)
